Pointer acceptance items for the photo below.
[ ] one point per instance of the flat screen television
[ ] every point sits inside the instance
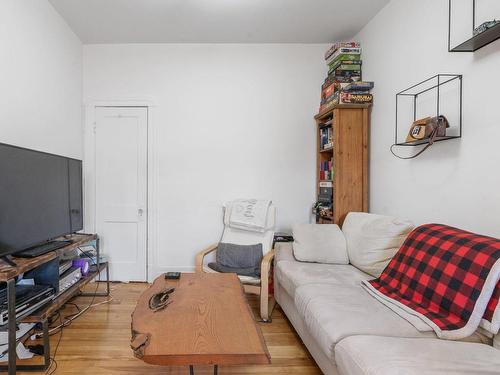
(40, 198)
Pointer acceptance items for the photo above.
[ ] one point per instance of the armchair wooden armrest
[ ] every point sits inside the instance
(265, 265)
(201, 256)
(266, 303)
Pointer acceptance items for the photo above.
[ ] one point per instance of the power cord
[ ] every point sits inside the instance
(62, 325)
(72, 317)
(53, 358)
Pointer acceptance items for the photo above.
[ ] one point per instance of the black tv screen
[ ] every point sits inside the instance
(75, 195)
(40, 198)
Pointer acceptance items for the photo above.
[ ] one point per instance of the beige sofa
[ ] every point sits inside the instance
(349, 332)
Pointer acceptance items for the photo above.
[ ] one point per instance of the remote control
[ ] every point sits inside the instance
(173, 275)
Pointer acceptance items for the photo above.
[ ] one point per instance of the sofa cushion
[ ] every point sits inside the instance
(372, 240)
(333, 312)
(292, 274)
(319, 243)
(371, 355)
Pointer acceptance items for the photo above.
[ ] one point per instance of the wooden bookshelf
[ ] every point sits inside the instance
(349, 154)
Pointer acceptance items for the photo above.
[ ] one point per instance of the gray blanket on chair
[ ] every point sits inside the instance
(243, 260)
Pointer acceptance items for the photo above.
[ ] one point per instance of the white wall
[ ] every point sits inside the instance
(455, 182)
(231, 121)
(40, 79)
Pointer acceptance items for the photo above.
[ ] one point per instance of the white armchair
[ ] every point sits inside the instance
(254, 285)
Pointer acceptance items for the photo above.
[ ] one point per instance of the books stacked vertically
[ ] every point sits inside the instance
(326, 170)
(326, 136)
(344, 68)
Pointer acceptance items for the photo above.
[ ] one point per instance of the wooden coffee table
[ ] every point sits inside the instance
(208, 322)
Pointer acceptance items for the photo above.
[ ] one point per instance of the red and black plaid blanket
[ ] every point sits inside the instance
(447, 277)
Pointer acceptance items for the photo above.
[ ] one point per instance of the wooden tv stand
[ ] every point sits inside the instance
(8, 274)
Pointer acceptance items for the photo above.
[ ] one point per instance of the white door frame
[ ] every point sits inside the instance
(89, 180)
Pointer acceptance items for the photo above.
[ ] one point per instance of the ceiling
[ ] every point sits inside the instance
(216, 21)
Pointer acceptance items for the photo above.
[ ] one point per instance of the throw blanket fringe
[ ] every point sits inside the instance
(249, 214)
(444, 279)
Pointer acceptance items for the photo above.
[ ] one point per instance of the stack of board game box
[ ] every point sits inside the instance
(344, 84)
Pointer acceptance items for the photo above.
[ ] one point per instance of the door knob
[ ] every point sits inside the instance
(140, 211)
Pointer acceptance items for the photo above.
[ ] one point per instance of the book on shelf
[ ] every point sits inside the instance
(355, 98)
(325, 175)
(348, 78)
(359, 86)
(328, 91)
(326, 123)
(343, 52)
(339, 68)
(326, 170)
(326, 137)
(347, 63)
(345, 74)
(338, 45)
(344, 83)
(333, 78)
(328, 104)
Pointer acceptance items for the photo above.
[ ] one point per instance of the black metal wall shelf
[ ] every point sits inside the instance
(425, 141)
(476, 41)
(415, 92)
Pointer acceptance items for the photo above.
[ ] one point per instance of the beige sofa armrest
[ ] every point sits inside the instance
(284, 251)
(201, 256)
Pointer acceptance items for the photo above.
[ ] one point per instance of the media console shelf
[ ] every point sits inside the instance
(8, 275)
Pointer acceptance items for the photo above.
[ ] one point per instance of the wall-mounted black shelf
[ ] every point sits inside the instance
(434, 88)
(479, 41)
(425, 141)
(476, 41)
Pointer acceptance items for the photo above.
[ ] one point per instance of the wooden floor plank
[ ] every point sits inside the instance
(98, 342)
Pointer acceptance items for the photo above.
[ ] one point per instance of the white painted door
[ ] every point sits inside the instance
(121, 189)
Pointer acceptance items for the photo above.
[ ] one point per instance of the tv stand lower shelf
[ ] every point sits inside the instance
(9, 273)
(50, 309)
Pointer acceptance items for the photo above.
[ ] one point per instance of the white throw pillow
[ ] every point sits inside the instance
(319, 243)
(372, 240)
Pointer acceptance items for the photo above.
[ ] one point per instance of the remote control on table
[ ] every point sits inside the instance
(173, 275)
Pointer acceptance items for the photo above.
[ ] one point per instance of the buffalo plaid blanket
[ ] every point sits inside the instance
(447, 277)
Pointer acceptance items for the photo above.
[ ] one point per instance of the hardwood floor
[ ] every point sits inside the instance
(98, 341)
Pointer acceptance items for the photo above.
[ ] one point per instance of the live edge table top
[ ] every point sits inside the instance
(208, 323)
